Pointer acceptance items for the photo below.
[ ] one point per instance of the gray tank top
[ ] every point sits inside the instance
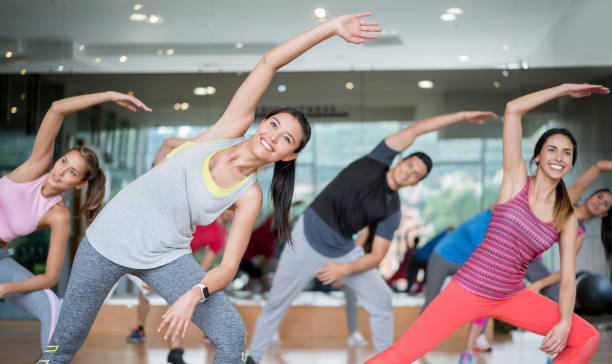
(151, 221)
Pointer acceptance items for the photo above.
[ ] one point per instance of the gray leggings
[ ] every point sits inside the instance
(42, 304)
(92, 278)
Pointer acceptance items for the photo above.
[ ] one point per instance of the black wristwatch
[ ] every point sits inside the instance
(204, 291)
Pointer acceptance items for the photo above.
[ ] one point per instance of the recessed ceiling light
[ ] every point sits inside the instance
(177, 106)
(23, 71)
(14, 110)
(154, 19)
(97, 60)
(60, 68)
(169, 51)
(137, 6)
(426, 84)
(211, 90)
(282, 88)
(184, 106)
(320, 13)
(239, 45)
(122, 59)
(463, 58)
(8, 54)
(82, 47)
(454, 11)
(349, 85)
(506, 47)
(448, 17)
(496, 84)
(138, 17)
(200, 91)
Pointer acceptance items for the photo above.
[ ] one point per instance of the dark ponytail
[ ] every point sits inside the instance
(96, 181)
(563, 205)
(283, 180)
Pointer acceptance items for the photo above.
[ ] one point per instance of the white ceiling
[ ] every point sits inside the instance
(44, 34)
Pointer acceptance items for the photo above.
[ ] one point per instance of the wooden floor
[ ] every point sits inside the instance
(19, 344)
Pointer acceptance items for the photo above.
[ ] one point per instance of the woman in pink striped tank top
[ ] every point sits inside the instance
(531, 213)
(31, 199)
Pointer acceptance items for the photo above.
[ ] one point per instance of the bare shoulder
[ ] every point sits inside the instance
(252, 196)
(58, 216)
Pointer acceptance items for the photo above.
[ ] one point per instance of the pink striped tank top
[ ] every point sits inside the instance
(22, 206)
(514, 238)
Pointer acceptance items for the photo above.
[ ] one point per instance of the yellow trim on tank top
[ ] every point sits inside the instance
(210, 183)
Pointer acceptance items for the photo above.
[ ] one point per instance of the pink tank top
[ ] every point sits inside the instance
(515, 237)
(22, 206)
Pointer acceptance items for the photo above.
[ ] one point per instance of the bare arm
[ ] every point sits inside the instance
(577, 189)
(555, 340)
(58, 219)
(363, 236)
(515, 170)
(209, 259)
(42, 152)
(334, 271)
(167, 146)
(241, 110)
(179, 314)
(404, 138)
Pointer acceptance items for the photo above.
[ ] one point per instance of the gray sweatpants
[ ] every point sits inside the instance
(351, 308)
(296, 268)
(42, 304)
(92, 278)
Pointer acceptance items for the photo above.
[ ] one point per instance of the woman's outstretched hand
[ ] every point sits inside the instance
(354, 30)
(127, 101)
(478, 117)
(585, 89)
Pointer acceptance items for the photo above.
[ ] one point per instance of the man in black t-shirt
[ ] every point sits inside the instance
(364, 193)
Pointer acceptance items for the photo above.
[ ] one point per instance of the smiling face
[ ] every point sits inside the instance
(69, 171)
(556, 157)
(409, 172)
(277, 138)
(599, 203)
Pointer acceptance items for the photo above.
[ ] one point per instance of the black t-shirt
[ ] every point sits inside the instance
(359, 196)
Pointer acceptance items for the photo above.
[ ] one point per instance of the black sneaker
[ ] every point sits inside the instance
(250, 360)
(175, 356)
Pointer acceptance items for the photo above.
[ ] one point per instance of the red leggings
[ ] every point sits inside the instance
(454, 307)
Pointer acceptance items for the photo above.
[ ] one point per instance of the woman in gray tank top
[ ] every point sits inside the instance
(145, 229)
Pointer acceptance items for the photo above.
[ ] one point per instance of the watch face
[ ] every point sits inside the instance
(205, 292)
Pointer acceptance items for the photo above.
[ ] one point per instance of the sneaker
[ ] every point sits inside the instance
(465, 358)
(175, 356)
(250, 360)
(137, 336)
(481, 344)
(549, 359)
(356, 339)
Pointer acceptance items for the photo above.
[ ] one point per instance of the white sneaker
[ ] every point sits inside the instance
(356, 339)
(482, 344)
